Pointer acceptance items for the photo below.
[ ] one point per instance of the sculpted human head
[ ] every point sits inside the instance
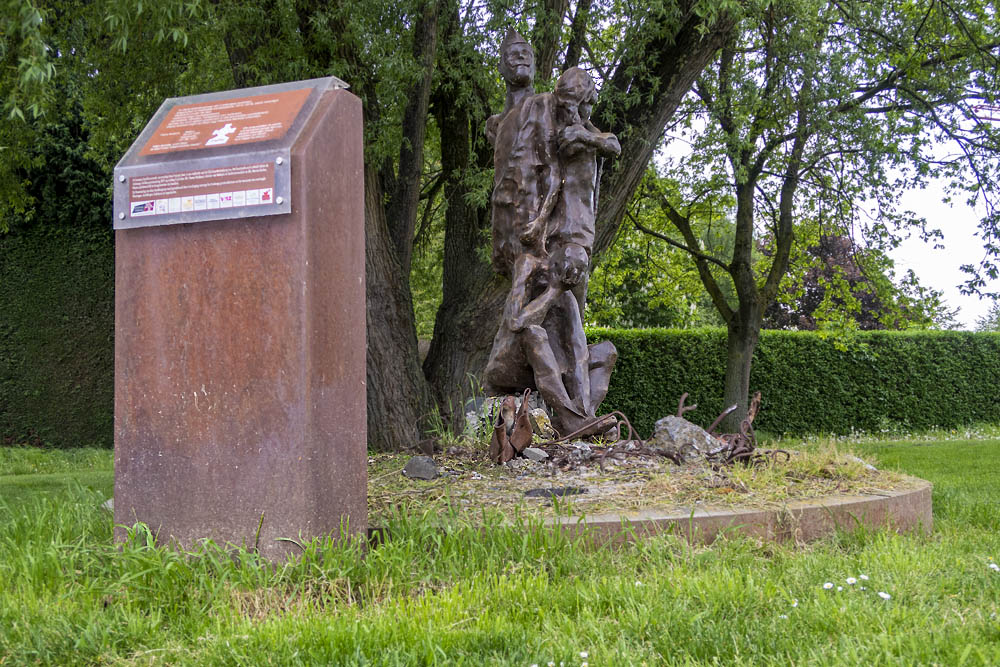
(517, 60)
(575, 95)
(569, 263)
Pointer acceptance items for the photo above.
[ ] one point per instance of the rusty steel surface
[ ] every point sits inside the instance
(240, 360)
(511, 429)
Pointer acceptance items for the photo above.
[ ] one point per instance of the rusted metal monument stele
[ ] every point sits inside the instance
(547, 159)
(240, 319)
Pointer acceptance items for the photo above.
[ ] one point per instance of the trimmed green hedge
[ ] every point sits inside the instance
(57, 361)
(57, 337)
(812, 384)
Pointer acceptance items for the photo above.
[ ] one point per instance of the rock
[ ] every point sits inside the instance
(421, 467)
(520, 465)
(535, 454)
(557, 492)
(580, 451)
(678, 438)
(109, 505)
(868, 466)
(423, 348)
(541, 424)
(478, 418)
(480, 415)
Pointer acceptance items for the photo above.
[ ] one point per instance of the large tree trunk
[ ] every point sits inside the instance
(399, 400)
(472, 294)
(546, 35)
(744, 324)
(402, 206)
(400, 403)
(668, 66)
(743, 332)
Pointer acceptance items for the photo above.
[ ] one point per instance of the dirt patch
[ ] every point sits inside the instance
(469, 484)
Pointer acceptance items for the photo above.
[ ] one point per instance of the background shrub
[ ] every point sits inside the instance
(812, 383)
(57, 337)
(57, 361)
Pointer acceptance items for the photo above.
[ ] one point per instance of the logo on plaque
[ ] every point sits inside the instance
(221, 135)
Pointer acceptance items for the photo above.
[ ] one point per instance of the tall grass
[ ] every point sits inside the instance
(516, 595)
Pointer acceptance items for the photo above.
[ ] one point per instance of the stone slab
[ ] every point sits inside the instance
(240, 360)
(800, 521)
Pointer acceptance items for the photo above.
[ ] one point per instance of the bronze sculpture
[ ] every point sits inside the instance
(546, 153)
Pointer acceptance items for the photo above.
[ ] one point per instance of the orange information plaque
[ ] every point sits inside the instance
(216, 156)
(229, 122)
(240, 409)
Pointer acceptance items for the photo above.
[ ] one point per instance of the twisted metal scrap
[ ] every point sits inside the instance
(740, 447)
(734, 447)
(511, 429)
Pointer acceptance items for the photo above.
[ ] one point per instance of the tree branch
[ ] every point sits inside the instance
(404, 199)
(677, 244)
(701, 259)
(577, 34)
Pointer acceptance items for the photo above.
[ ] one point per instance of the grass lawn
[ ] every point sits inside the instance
(501, 595)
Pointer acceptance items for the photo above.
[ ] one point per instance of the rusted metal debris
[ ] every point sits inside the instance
(741, 447)
(511, 430)
(681, 408)
(512, 433)
(619, 447)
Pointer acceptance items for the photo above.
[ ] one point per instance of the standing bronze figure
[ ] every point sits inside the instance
(546, 157)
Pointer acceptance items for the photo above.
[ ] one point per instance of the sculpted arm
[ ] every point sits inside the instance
(576, 137)
(520, 313)
(545, 148)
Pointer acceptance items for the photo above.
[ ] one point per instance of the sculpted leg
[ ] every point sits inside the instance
(602, 361)
(508, 371)
(577, 381)
(548, 378)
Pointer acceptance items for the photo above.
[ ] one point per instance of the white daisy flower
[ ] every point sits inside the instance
(884, 595)
(851, 581)
(828, 585)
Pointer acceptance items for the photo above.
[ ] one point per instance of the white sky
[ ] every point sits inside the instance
(939, 269)
(936, 268)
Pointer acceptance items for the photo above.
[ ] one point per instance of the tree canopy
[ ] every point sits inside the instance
(823, 113)
(426, 72)
(796, 110)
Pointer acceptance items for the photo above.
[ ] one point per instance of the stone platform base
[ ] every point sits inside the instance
(804, 521)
